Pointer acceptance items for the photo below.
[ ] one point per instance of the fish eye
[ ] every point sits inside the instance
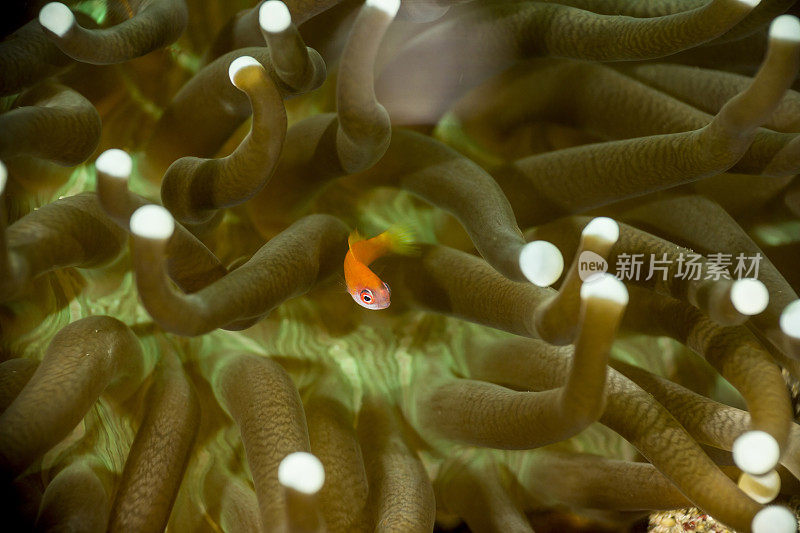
(386, 285)
(366, 296)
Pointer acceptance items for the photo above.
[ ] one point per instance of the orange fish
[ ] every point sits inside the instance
(366, 288)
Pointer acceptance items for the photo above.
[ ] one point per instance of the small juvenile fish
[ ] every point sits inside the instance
(366, 288)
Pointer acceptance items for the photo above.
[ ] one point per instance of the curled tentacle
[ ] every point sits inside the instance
(183, 131)
(156, 23)
(193, 189)
(189, 262)
(73, 231)
(82, 361)
(476, 293)
(581, 178)
(298, 66)
(364, 129)
(286, 266)
(485, 414)
(52, 122)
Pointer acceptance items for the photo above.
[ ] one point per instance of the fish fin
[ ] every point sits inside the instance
(400, 240)
(354, 237)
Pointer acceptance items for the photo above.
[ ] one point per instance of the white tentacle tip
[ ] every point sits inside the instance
(756, 452)
(152, 222)
(390, 7)
(274, 16)
(762, 489)
(541, 262)
(750, 3)
(786, 28)
(240, 63)
(749, 296)
(602, 228)
(115, 163)
(774, 519)
(302, 472)
(3, 177)
(57, 18)
(790, 320)
(606, 287)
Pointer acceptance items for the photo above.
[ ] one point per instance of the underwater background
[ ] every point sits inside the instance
(155, 375)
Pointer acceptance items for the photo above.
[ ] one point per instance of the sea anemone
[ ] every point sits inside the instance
(177, 194)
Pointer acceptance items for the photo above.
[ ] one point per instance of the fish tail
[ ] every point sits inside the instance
(401, 240)
(398, 239)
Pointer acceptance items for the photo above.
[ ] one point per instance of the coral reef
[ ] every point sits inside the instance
(599, 321)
